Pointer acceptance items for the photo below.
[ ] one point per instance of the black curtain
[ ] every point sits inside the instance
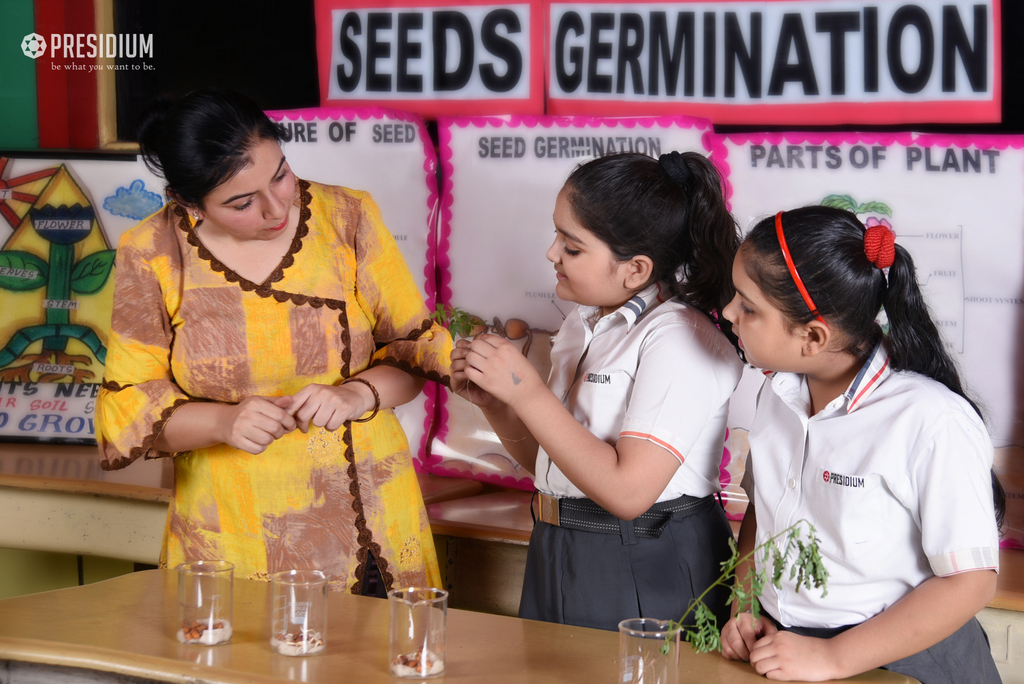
(263, 48)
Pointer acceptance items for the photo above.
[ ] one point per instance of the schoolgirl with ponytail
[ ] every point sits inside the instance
(866, 432)
(625, 438)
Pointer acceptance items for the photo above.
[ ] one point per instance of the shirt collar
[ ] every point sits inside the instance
(633, 309)
(871, 375)
(639, 303)
(792, 387)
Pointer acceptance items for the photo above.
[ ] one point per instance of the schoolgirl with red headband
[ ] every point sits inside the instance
(866, 432)
(625, 437)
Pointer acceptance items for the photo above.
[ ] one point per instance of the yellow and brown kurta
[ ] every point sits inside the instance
(186, 328)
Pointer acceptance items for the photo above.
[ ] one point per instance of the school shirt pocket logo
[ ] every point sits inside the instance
(847, 510)
(599, 401)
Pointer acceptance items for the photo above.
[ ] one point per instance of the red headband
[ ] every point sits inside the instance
(792, 269)
(880, 245)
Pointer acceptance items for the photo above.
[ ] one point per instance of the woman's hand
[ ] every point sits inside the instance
(255, 422)
(497, 367)
(791, 657)
(461, 384)
(328, 406)
(741, 633)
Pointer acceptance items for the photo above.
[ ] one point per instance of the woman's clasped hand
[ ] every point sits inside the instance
(255, 422)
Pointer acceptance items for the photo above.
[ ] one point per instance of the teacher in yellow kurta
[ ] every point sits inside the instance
(263, 328)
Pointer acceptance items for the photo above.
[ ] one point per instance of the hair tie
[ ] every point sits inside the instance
(792, 269)
(674, 166)
(880, 245)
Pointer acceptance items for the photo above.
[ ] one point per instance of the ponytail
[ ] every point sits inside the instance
(709, 232)
(915, 344)
(671, 210)
(849, 288)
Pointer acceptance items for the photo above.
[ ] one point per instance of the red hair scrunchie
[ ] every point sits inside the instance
(880, 245)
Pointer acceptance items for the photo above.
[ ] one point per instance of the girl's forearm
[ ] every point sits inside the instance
(927, 615)
(745, 545)
(514, 436)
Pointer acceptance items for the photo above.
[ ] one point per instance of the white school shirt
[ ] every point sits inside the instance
(654, 369)
(894, 474)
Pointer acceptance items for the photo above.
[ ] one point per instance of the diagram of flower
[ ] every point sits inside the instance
(57, 255)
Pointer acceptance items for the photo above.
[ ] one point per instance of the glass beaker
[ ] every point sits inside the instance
(298, 617)
(648, 651)
(204, 602)
(417, 631)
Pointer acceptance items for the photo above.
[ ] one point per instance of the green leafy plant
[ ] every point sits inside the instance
(786, 549)
(848, 203)
(459, 322)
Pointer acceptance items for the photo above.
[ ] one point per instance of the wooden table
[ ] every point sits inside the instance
(124, 626)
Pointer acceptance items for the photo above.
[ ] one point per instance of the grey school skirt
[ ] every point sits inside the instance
(593, 579)
(961, 658)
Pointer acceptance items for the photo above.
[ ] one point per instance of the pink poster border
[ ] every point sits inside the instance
(720, 158)
(533, 103)
(444, 128)
(720, 153)
(810, 113)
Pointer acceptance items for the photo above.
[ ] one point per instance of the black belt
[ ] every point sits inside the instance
(586, 515)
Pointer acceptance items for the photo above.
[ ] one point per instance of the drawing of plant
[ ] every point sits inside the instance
(848, 203)
(62, 227)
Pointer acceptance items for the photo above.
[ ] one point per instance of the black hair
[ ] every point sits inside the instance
(827, 247)
(202, 139)
(672, 211)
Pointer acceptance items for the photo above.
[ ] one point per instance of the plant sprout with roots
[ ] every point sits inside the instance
(460, 323)
(805, 567)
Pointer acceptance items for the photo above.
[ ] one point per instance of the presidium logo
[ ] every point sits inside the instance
(33, 45)
(89, 45)
(842, 480)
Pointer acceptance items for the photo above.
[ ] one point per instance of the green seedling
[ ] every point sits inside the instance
(787, 549)
(460, 323)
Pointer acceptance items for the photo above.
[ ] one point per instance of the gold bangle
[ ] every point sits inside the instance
(376, 399)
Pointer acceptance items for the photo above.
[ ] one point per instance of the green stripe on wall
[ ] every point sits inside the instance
(18, 126)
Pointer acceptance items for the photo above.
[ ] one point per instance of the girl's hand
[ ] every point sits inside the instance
(789, 657)
(740, 634)
(255, 422)
(461, 384)
(328, 406)
(498, 367)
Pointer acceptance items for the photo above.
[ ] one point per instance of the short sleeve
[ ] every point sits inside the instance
(952, 477)
(683, 381)
(138, 394)
(404, 334)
